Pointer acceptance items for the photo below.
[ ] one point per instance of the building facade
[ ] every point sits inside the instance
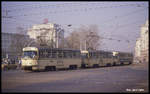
(138, 48)
(7, 40)
(48, 34)
(142, 44)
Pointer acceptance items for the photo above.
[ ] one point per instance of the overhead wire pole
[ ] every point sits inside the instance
(68, 25)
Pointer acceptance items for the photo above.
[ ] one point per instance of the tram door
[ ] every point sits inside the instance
(101, 62)
(60, 59)
(84, 60)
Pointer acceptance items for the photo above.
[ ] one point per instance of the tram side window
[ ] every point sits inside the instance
(60, 55)
(122, 55)
(70, 54)
(104, 55)
(100, 56)
(49, 54)
(115, 57)
(130, 55)
(96, 55)
(54, 54)
(40, 54)
(90, 55)
(64, 54)
(109, 55)
(93, 55)
(78, 54)
(67, 54)
(43, 54)
(74, 54)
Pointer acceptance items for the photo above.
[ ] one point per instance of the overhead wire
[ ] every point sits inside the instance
(118, 16)
(83, 9)
(71, 4)
(86, 9)
(124, 15)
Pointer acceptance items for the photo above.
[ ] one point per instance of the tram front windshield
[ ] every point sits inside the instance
(30, 54)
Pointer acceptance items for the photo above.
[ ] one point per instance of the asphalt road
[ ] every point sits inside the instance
(128, 78)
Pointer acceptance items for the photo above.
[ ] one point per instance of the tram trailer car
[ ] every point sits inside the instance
(98, 59)
(104, 58)
(125, 58)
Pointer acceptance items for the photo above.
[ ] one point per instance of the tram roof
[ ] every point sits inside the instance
(58, 49)
(69, 49)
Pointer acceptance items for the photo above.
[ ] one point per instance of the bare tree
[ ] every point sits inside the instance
(85, 38)
(21, 30)
(73, 41)
(92, 38)
(19, 41)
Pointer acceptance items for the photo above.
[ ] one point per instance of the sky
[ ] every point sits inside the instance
(120, 21)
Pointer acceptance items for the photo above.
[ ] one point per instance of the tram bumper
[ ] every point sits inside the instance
(26, 67)
(35, 67)
(84, 65)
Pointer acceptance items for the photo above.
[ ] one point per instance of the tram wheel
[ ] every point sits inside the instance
(114, 64)
(73, 67)
(83, 66)
(108, 65)
(53, 68)
(122, 63)
(95, 66)
(130, 63)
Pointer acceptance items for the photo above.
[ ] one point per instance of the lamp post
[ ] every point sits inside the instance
(57, 35)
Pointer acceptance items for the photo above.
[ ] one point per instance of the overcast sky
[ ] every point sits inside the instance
(116, 20)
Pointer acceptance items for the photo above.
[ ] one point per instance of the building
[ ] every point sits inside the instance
(47, 34)
(8, 50)
(142, 44)
(138, 49)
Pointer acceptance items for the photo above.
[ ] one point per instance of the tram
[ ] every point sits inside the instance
(50, 59)
(36, 59)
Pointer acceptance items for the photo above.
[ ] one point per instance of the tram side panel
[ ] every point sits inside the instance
(93, 62)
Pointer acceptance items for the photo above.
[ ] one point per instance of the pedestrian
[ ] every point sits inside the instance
(20, 63)
(12, 61)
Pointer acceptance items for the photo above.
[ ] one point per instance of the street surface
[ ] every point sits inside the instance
(127, 78)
